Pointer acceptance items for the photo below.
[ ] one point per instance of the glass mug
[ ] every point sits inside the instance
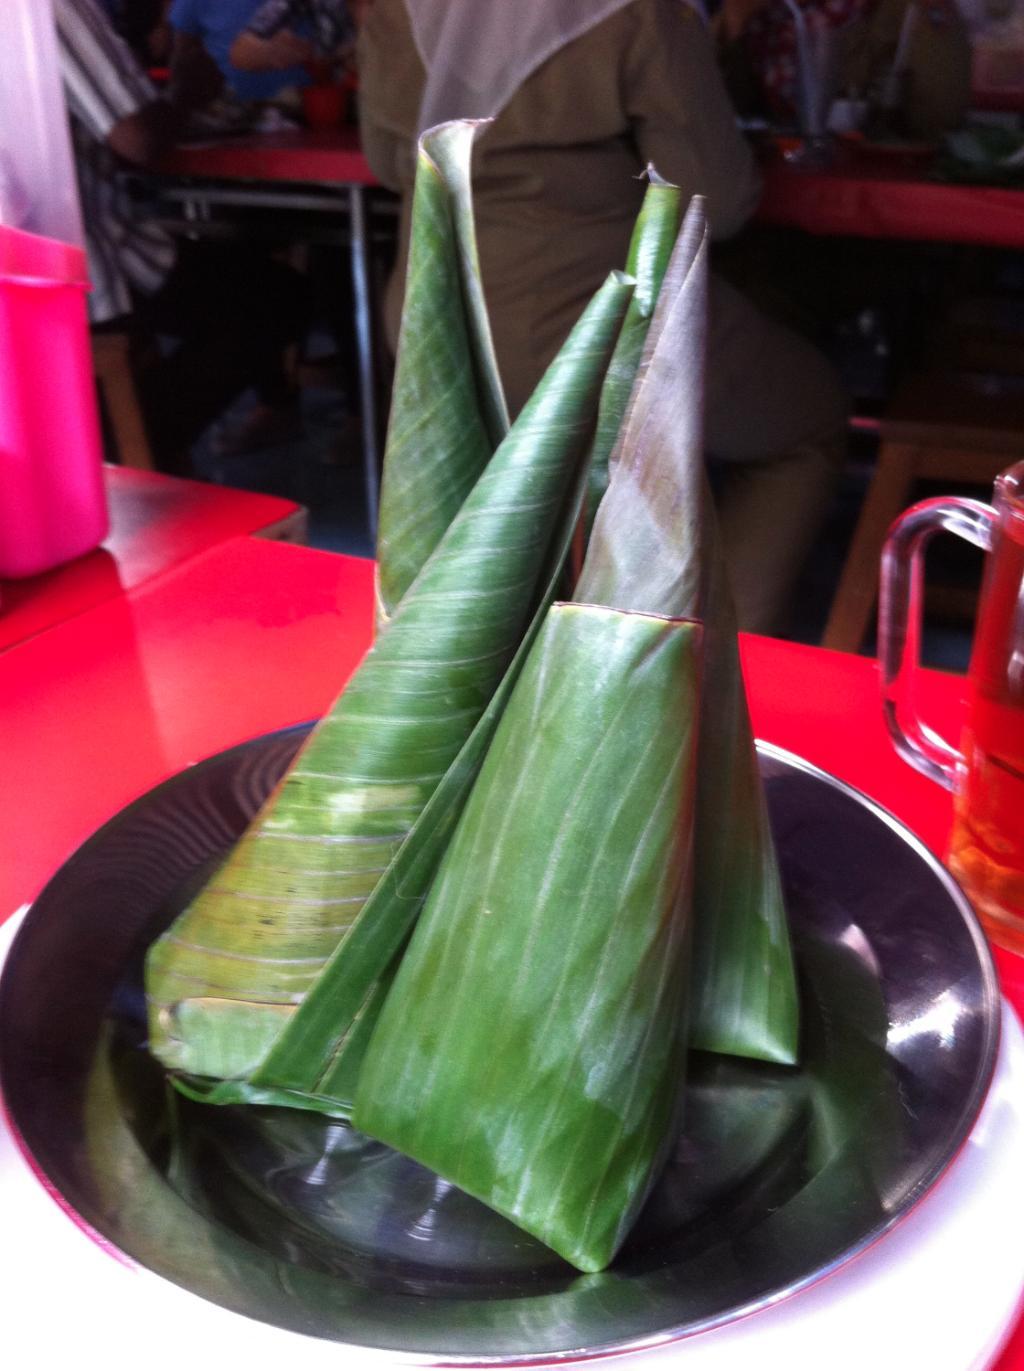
(986, 847)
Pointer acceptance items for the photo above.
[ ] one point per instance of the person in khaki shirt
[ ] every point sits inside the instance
(558, 181)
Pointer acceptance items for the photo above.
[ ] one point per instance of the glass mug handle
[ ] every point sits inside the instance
(900, 603)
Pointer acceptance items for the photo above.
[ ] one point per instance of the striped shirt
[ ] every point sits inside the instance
(103, 84)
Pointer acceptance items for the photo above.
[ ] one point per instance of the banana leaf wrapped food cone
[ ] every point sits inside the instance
(614, 814)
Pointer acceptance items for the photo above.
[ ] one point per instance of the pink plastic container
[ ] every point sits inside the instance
(52, 499)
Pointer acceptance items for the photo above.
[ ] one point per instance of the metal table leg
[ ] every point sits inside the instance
(364, 345)
(197, 202)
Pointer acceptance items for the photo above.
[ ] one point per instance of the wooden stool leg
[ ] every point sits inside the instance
(114, 376)
(858, 586)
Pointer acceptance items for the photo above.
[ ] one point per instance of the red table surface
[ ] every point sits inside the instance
(331, 156)
(885, 196)
(156, 522)
(862, 194)
(1008, 100)
(253, 635)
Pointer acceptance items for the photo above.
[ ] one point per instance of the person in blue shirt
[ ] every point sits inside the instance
(214, 25)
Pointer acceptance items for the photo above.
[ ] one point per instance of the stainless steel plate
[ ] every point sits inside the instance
(779, 1177)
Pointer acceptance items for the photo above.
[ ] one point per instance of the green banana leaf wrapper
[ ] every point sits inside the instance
(448, 410)
(654, 546)
(531, 1049)
(650, 249)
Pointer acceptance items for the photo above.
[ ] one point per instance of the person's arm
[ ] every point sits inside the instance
(682, 119)
(250, 52)
(145, 135)
(269, 41)
(141, 138)
(107, 90)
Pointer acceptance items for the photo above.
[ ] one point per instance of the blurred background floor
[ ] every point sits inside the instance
(322, 469)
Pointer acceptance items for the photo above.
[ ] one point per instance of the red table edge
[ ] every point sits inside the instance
(333, 157)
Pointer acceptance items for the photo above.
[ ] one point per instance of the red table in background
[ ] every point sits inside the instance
(323, 156)
(254, 635)
(863, 193)
(866, 194)
(156, 522)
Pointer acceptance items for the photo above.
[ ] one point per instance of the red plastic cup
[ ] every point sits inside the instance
(324, 107)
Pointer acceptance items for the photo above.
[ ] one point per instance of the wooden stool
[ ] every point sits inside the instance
(112, 367)
(939, 427)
